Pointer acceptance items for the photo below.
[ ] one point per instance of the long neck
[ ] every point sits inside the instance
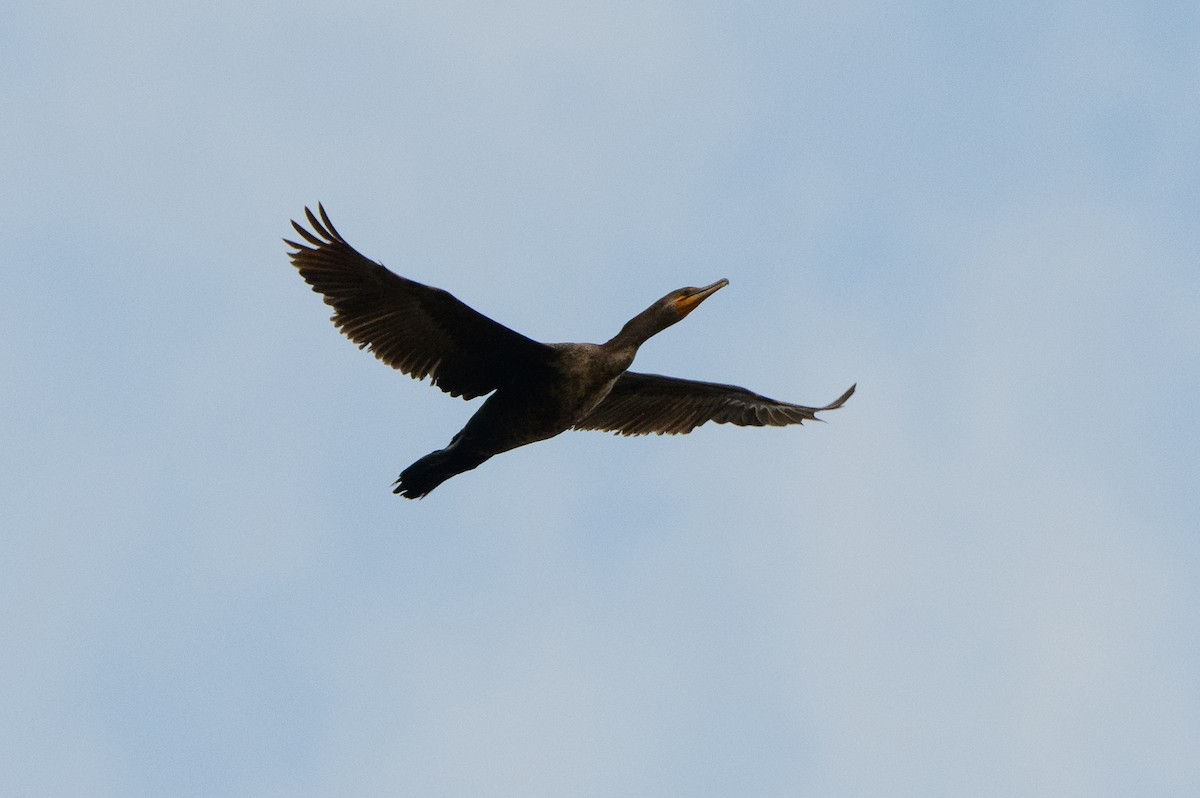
(640, 329)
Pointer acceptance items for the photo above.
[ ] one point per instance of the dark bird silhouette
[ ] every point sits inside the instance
(537, 390)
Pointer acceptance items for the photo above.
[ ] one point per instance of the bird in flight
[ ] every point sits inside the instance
(537, 390)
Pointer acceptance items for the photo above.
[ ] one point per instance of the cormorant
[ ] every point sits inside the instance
(537, 390)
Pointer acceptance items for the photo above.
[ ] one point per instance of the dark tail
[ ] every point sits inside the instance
(433, 469)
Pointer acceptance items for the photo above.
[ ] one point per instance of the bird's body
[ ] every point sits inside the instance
(537, 390)
(577, 377)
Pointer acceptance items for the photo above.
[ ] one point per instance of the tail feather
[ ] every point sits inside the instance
(433, 469)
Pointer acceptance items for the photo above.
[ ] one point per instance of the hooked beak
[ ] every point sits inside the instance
(689, 301)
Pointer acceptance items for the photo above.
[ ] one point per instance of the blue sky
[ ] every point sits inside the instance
(979, 578)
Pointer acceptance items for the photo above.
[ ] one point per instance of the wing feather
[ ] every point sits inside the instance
(640, 404)
(421, 330)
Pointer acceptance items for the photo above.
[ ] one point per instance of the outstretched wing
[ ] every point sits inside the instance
(420, 330)
(640, 404)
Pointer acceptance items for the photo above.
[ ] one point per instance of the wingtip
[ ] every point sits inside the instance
(328, 224)
(841, 400)
(312, 219)
(322, 233)
(307, 235)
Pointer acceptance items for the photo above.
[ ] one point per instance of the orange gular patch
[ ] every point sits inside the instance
(688, 302)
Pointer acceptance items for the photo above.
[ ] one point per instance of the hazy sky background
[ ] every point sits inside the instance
(981, 577)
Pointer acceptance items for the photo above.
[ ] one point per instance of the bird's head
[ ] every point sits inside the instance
(663, 313)
(685, 300)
